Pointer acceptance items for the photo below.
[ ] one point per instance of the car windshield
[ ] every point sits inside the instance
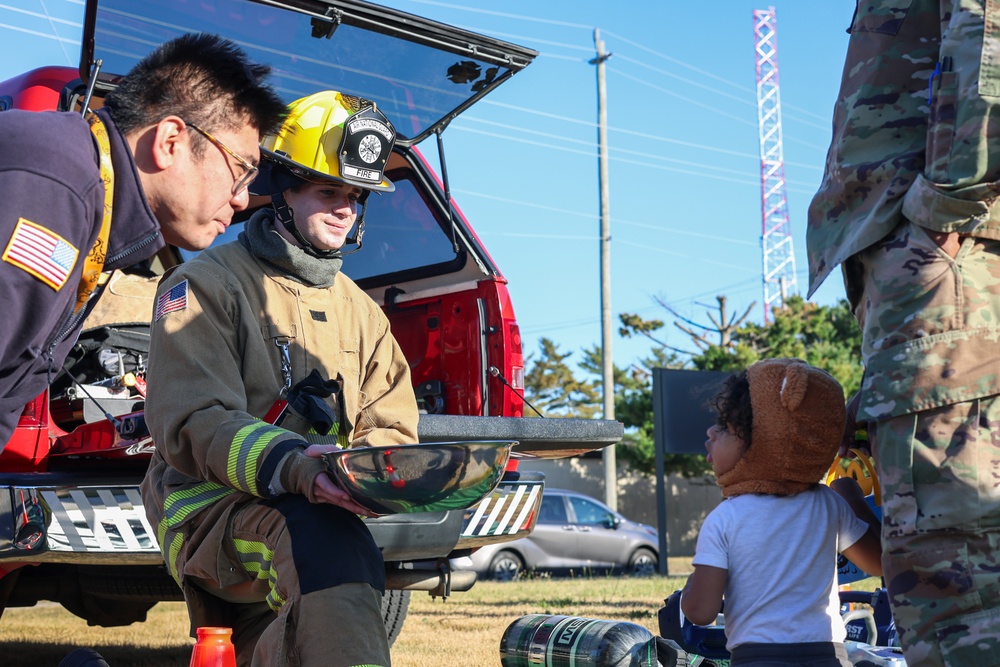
(417, 76)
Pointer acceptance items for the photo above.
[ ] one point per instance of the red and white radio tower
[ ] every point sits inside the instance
(776, 238)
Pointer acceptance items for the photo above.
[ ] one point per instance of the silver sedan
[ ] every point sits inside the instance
(574, 534)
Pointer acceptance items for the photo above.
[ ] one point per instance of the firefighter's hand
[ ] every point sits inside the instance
(326, 490)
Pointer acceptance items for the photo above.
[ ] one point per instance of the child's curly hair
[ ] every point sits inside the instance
(733, 406)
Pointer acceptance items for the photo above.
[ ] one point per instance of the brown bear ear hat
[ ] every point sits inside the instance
(798, 421)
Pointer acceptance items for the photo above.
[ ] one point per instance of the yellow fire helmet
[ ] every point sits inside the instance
(328, 135)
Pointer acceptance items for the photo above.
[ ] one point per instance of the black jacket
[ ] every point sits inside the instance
(51, 185)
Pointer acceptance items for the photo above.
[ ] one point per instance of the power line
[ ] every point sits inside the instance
(710, 75)
(570, 48)
(592, 125)
(732, 289)
(616, 151)
(741, 287)
(52, 21)
(591, 216)
(660, 167)
(641, 47)
(619, 56)
(674, 253)
(619, 130)
(35, 33)
(736, 98)
(46, 15)
(490, 12)
(738, 119)
(642, 135)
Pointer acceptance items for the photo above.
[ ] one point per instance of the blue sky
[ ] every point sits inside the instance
(683, 145)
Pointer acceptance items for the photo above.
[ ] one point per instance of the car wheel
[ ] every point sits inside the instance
(642, 563)
(506, 566)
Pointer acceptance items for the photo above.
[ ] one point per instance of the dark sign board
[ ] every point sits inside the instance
(682, 410)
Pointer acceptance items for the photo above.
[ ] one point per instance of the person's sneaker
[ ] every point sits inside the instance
(670, 654)
(84, 657)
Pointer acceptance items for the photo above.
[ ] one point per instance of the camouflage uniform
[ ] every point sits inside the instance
(911, 155)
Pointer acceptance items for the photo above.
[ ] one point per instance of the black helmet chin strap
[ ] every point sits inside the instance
(284, 214)
(359, 225)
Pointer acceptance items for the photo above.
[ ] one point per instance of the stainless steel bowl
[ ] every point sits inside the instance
(425, 477)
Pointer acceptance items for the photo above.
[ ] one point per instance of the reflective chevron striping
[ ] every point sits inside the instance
(508, 510)
(108, 519)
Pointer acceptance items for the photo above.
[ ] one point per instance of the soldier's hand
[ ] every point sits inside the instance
(949, 242)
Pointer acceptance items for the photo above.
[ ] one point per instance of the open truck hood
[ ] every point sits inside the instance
(419, 72)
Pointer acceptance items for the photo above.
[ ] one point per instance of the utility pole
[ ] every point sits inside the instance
(607, 364)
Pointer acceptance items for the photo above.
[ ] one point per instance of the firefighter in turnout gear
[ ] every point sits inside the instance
(263, 357)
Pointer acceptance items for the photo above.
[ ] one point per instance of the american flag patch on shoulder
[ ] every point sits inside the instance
(174, 299)
(41, 252)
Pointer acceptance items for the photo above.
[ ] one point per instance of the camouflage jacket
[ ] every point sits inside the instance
(914, 130)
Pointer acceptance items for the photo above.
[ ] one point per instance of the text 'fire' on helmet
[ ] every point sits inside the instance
(328, 136)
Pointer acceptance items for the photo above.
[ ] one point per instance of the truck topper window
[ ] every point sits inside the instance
(416, 70)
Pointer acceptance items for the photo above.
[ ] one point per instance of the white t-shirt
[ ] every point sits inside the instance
(781, 554)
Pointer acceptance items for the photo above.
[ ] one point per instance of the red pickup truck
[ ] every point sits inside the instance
(72, 525)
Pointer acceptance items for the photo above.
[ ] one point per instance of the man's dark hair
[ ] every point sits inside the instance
(734, 408)
(203, 78)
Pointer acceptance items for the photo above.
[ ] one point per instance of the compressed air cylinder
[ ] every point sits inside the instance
(565, 641)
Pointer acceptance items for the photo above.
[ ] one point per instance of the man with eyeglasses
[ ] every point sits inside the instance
(84, 196)
(249, 171)
(258, 534)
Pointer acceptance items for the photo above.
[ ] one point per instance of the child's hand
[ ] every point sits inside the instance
(701, 600)
(848, 489)
(866, 553)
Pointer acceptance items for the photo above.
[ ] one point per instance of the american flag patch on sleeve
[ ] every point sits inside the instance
(42, 253)
(174, 299)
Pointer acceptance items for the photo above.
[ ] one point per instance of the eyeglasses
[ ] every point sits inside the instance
(243, 182)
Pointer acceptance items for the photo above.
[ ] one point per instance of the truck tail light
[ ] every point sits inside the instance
(517, 377)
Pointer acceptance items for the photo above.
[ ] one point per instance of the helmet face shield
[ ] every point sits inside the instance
(329, 136)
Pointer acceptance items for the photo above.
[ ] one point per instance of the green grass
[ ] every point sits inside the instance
(467, 627)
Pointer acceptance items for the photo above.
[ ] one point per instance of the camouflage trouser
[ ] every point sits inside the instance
(940, 536)
(930, 325)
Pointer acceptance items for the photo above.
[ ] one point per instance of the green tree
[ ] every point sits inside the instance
(634, 409)
(551, 386)
(825, 336)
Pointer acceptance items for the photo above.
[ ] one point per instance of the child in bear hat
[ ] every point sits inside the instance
(770, 549)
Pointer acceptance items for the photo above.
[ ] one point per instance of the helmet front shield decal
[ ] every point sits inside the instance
(365, 148)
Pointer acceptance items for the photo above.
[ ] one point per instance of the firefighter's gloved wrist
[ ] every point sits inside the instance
(274, 486)
(299, 473)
